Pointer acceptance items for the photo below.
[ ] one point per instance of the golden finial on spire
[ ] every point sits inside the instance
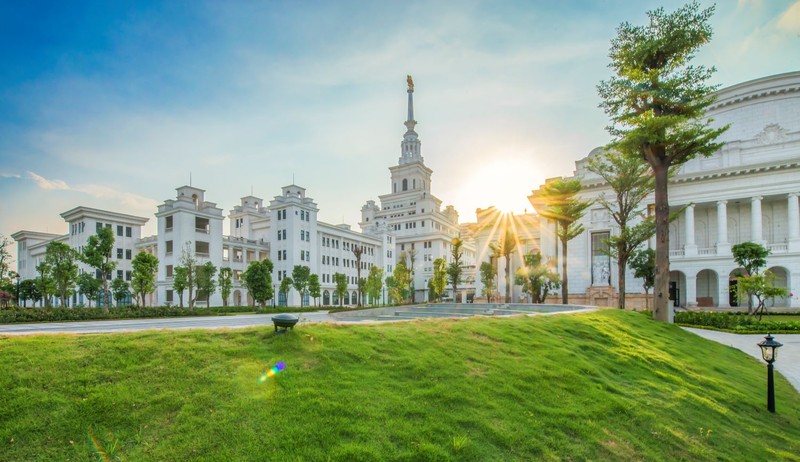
(410, 82)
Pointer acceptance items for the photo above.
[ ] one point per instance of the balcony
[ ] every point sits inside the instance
(705, 251)
(676, 253)
(778, 248)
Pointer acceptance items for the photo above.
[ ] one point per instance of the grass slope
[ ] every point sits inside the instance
(609, 385)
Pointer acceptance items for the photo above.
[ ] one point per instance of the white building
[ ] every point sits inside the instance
(423, 231)
(82, 222)
(747, 191)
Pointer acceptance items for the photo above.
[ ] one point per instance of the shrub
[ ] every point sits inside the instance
(736, 322)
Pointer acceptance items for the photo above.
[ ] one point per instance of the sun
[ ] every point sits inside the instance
(504, 182)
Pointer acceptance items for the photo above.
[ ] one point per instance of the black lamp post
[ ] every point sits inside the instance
(769, 351)
(274, 293)
(18, 277)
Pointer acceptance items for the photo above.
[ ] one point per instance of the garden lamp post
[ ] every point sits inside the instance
(769, 351)
(274, 293)
(18, 277)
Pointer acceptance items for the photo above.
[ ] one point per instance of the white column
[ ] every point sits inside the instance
(755, 220)
(794, 223)
(723, 298)
(689, 248)
(691, 291)
(723, 246)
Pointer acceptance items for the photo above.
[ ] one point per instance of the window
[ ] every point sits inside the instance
(201, 248)
(168, 223)
(119, 274)
(119, 253)
(302, 255)
(405, 184)
(119, 230)
(128, 231)
(169, 296)
(128, 254)
(168, 247)
(127, 275)
(601, 261)
(99, 226)
(169, 271)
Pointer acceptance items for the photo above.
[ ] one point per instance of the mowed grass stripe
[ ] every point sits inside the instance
(595, 386)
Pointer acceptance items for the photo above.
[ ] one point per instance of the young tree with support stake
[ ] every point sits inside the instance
(631, 180)
(657, 101)
(557, 200)
(97, 254)
(143, 277)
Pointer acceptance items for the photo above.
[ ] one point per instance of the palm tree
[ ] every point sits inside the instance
(506, 247)
(557, 201)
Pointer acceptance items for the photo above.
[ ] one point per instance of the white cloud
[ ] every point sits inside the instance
(9, 175)
(790, 19)
(126, 200)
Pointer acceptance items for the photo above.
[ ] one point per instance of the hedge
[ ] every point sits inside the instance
(736, 322)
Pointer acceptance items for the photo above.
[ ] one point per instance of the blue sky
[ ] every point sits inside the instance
(113, 104)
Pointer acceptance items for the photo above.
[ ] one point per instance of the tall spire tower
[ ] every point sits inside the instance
(410, 146)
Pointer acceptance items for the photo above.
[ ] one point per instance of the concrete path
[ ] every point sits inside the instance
(788, 362)
(129, 325)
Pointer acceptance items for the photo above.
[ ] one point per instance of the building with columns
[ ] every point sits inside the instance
(747, 191)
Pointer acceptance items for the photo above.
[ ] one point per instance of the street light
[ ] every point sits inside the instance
(769, 351)
(274, 293)
(17, 276)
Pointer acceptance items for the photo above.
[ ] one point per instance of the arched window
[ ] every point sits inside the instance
(346, 298)
(355, 298)
(405, 184)
(326, 298)
(414, 183)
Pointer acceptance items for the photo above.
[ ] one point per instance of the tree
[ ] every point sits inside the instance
(5, 256)
(314, 288)
(656, 102)
(300, 275)
(506, 248)
(643, 264)
(180, 282)
(97, 254)
(402, 279)
(558, 201)
(752, 257)
(536, 278)
(257, 278)
(454, 269)
(762, 288)
(89, 286)
(188, 262)
(284, 288)
(374, 284)
(391, 287)
(225, 279)
(143, 276)
(488, 271)
(204, 281)
(439, 279)
(631, 180)
(341, 286)
(61, 259)
(358, 251)
(45, 283)
(28, 290)
(120, 289)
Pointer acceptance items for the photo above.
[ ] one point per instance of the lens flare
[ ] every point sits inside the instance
(271, 373)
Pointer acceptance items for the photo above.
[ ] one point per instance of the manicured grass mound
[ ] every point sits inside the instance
(741, 323)
(608, 385)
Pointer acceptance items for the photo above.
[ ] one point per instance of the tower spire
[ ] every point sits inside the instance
(410, 146)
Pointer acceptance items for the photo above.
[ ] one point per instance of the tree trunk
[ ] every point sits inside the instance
(661, 306)
(564, 282)
(621, 265)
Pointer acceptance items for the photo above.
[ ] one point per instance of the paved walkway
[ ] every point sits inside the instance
(788, 362)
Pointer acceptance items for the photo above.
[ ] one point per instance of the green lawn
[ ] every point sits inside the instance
(608, 385)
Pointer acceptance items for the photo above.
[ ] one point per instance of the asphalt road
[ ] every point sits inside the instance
(129, 325)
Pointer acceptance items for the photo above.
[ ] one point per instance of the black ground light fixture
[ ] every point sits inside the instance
(769, 351)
